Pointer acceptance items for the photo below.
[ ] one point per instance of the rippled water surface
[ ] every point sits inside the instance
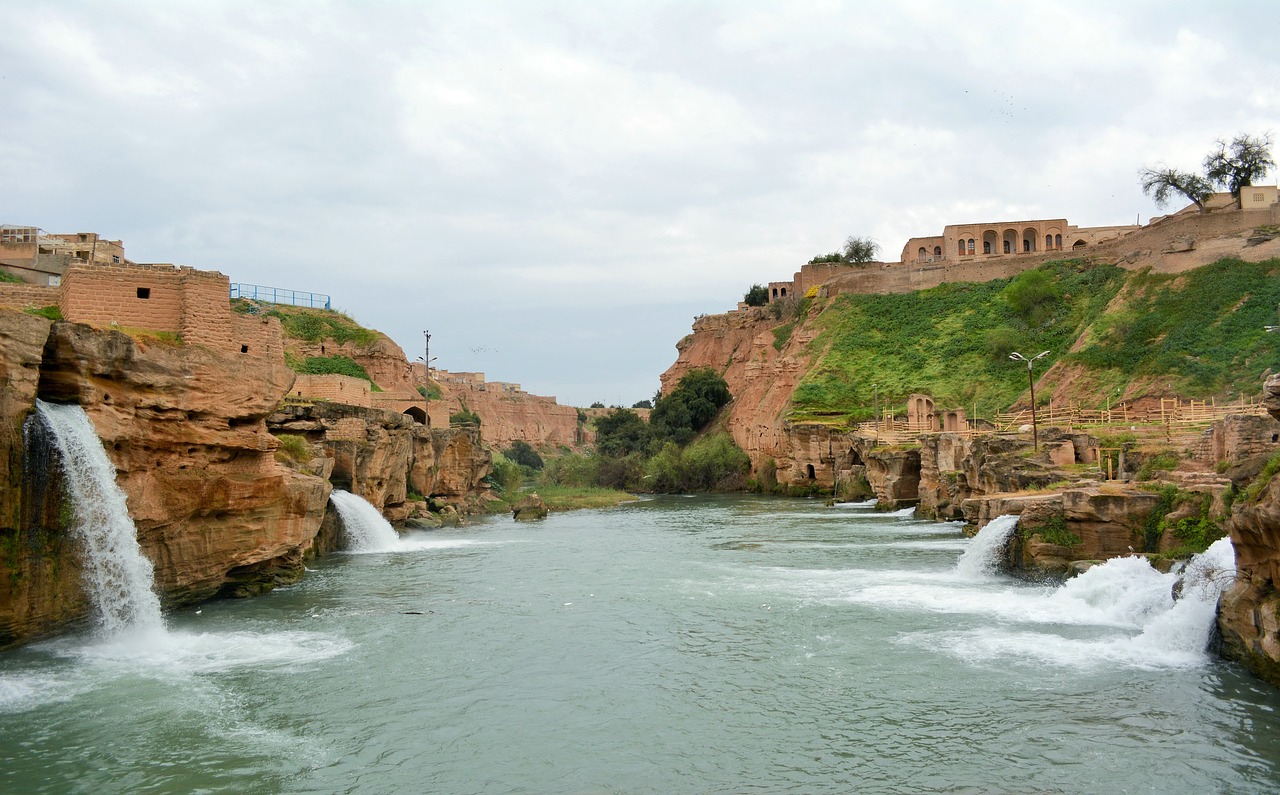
(675, 645)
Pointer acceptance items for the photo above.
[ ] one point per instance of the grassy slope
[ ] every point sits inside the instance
(1195, 335)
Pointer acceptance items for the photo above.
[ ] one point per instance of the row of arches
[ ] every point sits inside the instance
(1011, 242)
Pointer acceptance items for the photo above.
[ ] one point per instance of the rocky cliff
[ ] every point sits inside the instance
(1249, 614)
(186, 428)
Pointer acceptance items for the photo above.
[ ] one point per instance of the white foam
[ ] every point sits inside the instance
(363, 526)
(118, 577)
(982, 558)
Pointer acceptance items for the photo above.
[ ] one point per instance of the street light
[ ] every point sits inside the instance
(1017, 357)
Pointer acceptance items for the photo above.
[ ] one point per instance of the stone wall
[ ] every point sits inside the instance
(343, 389)
(21, 296)
(192, 303)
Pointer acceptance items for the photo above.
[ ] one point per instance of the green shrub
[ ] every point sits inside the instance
(52, 312)
(315, 325)
(621, 432)
(523, 454)
(758, 295)
(695, 401)
(1055, 531)
(506, 478)
(333, 365)
(464, 416)
(712, 463)
(1253, 492)
(782, 334)
(294, 447)
(1163, 461)
(8, 278)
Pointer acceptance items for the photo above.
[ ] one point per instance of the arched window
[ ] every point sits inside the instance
(1078, 244)
(1008, 247)
(970, 245)
(812, 473)
(784, 292)
(1048, 242)
(775, 292)
(937, 251)
(1057, 242)
(920, 254)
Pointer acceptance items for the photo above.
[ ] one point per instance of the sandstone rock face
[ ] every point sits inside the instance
(955, 467)
(183, 424)
(380, 455)
(1107, 521)
(508, 416)
(1249, 613)
(740, 345)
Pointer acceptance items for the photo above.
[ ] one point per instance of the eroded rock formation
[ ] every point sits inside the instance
(1249, 614)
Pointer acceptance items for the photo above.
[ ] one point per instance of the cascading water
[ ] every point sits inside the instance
(983, 554)
(366, 530)
(118, 577)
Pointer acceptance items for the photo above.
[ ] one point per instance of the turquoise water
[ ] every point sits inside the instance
(676, 645)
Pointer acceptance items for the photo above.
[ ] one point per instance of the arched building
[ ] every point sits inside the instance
(963, 242)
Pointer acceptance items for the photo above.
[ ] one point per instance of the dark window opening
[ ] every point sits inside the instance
(144, 292)
(812, 474)
(244, 348)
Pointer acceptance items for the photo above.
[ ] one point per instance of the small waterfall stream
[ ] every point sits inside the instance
(983, 555)
(119, 578)
(366, 530)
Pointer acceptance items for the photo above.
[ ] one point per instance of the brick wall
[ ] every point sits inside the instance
(140, 296)
(193, 303)
(335, 388)
(21, 296)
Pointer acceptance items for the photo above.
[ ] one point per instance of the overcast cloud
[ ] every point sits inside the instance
(555, 189)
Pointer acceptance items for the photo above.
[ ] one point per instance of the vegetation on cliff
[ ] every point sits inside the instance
(1198, 335)
(310, 325)
(673, 453)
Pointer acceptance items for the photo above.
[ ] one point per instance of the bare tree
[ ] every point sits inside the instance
(1236, 165)
(1159, 183)
(860, 249)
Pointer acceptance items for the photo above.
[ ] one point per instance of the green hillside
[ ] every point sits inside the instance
(1194, 335)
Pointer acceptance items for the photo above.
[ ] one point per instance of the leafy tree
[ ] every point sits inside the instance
(1033, 296)
(621, 432)
(1159, 183)
(1236, 165)
(523, 454)
(758, 295)
(642, 404)
(860, 249)
(691, 405)
(596, 405)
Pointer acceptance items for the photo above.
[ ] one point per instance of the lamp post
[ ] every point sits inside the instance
(1035, 431)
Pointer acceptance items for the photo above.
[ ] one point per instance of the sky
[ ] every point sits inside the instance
(555, 190)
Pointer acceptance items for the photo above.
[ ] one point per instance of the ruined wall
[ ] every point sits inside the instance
(337, 388)
(21, 296)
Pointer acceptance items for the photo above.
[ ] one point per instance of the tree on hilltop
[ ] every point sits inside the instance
(1236, 165)
(1159, 183)
(758, 295)
(860, 249)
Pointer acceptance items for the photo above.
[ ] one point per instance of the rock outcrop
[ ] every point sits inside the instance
(184, 426)
(1249, 613)
(383, 455)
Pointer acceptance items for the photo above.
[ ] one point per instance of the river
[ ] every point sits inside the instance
(675, 645)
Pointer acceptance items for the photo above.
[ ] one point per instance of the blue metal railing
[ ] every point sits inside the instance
(279, 295)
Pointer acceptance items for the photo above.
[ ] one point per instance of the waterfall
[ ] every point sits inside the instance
(366, 530)
(118, 578)
(983, 555)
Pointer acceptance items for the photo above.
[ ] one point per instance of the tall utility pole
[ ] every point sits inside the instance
(426, 373)
(1017, 357)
